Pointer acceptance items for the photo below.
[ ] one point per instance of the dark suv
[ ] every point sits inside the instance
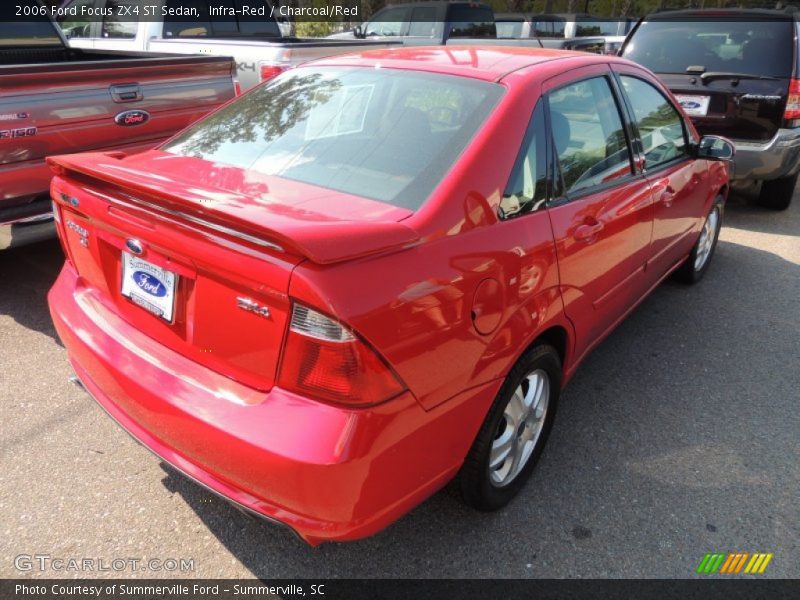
(735, 72)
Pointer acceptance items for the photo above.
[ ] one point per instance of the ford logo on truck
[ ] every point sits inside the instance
(150, 284)
(131, 118)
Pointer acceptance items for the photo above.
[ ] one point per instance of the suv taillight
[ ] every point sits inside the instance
(792, 111)
(324, 360)
(268, 70)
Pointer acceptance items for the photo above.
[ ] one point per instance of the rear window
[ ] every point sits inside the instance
(232, 22)
(471, 21)
(589, 27)
(549, 28)
(731, 46)
(383, 134)
(509, 29)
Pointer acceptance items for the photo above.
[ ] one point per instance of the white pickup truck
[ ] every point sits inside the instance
(258, 45)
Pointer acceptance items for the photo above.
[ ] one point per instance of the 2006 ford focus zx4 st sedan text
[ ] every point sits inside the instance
(377, 272)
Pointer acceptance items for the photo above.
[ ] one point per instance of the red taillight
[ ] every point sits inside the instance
(268, 71)
(237, 87)
(323, 360)
(792, 111)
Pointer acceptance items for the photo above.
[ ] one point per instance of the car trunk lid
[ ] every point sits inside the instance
(202, 262)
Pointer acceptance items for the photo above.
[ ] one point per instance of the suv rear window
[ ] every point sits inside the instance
(383, 134)
(759, 47)
(471, 21)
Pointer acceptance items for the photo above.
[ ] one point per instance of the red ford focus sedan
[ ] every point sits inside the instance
(377, 272)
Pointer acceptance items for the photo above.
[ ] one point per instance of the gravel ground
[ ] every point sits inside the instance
(679, 436)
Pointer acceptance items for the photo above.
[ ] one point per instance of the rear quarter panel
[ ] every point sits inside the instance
(415, 307)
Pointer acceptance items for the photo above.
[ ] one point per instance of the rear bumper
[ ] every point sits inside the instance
(777, 158)
(326, 472)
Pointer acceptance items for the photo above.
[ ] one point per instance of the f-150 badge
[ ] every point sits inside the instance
(6, 134)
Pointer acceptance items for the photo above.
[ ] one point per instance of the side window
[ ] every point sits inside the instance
(118, 26)
(77, 26)
(388, 22)
(423, 22)
(527, 188)
(201, 27)
(588, 135)
(660, 126)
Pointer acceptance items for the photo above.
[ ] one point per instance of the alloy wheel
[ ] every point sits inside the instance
(706, 241)
(520, 428)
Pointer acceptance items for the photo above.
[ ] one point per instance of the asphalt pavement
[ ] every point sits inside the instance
(679, 436)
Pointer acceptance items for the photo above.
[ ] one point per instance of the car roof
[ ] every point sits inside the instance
(488, 63)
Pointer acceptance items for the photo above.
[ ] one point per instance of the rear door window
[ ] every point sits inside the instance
(762, 47)
(661, 127)
(588, 135)
(527, 188)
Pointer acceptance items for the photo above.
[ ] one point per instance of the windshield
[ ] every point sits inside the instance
(751, 48)
(383, 134)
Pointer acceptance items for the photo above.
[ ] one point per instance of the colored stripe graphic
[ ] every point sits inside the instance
(734, 562)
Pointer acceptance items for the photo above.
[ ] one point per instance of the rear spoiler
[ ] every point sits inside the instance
(322, 242)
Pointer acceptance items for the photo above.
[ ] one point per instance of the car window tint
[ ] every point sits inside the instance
(471, 20)
(588, 134)
(761, 47)
(121, 21)
(423, 22)
(527, 188)
(384, 134)
(660, 126)
(77, 25)
(252, 26)
(388, 22)
(175, 26)
(509, 29)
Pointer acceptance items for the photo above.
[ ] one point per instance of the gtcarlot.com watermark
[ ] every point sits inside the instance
(27, 563)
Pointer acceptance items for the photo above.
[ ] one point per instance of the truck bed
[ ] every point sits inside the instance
(59, 100)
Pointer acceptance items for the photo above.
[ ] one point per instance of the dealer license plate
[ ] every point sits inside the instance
(149, 286)
(694, 106)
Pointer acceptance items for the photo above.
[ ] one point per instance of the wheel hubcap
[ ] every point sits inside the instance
(520, 428)
(706, 241)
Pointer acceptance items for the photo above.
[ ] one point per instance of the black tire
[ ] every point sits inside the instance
(475, 478)
(688, 272)
(777, 193)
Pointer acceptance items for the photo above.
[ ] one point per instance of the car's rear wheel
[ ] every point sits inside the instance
(697, 264)
(514, 433)
(777, 193)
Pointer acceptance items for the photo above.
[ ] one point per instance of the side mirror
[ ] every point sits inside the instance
(712, 147)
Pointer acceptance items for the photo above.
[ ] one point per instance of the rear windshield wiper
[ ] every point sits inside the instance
(711, 75)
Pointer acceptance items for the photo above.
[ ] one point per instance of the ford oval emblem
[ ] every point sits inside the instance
(134, 246)
(132, 118)
(690, 104)
(150, 284)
